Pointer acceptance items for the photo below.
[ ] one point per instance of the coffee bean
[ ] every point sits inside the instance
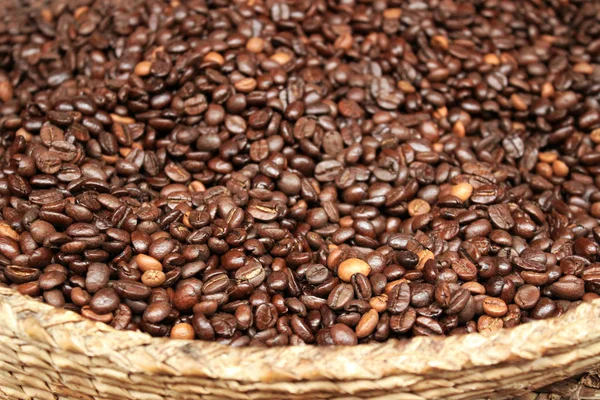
(317, 274)
(7, 231)
(153, 278)
(465, 269)
(544, 308)
(527, 297)
(421, 294)
(132, 290)
(367, 324)
(486, 323)
(264, 212)
(568, 287)
(202, 327)
(18, 274)
(494, 307)
(105, 301)
(340, 296)
(463, 191)
(252, 273)
(186, 295)
(427, 326)
(182, 331)
(399, 298)
(262, 192)
(80, 297)
(97, 277)
(352, 266)
(407, 259)
(265, 316)
(147, 263)
(342, 335)
(52, 279)
(362, 287)
(216, 283)
(89, 314)
(424, 256)
(418, 207)
(9, 248)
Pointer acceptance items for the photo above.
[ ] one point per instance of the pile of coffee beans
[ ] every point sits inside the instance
(270, 173)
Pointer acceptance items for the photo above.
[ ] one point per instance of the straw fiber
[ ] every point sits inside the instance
(46, 353)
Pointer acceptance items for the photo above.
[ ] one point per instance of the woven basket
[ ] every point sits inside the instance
(46, 353)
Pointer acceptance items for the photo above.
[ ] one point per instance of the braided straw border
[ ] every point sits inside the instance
(47, 353)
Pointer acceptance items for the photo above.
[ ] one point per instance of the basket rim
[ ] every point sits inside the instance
(137, 352)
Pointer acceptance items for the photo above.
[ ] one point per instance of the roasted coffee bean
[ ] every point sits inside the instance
(340, 296)
(187, 295)
(132, 290)
(399, 298)
(317, 274)
(568, 287)
(265, 316)
(494, 307)
(527, 297)
(252, 273)
(545, 308)
(182, 331)
(367, 324)
(458, 301)
(402, 323)
(342, 335)
(52, 279)
(421, 294)
(18, 274)
(105, 301)
(97, 277)
(272, 191)
(426, 326)
(202, 327)
(362, 287)
(122, 317)
(157, 312)
(352, 266)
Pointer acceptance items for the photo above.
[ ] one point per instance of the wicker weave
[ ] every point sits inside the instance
(47, 353)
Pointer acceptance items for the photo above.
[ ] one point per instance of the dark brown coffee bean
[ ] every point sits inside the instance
(18, 274)
(105, 301)
(402, 323)
(252, 273)
(97, 277)
(458, 301)
(187, 295)
(157, 312)
(52, 279)
(527, 297)
(568, 287)
(465, 269)
(265, 316)
(545, 308)
(203, 327)
(399, 298)
(443, 294)
(274, 195)
(362, 287)
(132, 290)
(340, 296)
(317, 274)
(427, 326)
(342, 335)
